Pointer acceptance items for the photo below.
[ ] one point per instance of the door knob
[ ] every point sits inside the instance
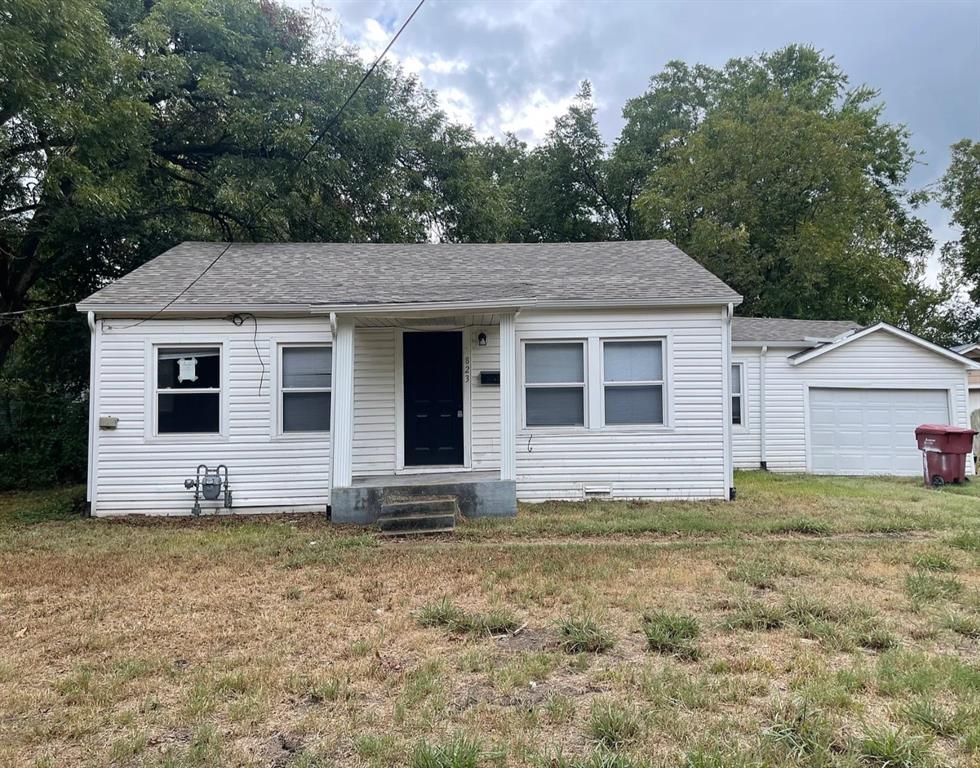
(459, 413)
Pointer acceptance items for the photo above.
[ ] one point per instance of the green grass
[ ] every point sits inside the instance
(583, 634)
(925, 587)
(444, 613)
(757, 616)
(672, 633)
(613, 724)
(460, 752)
(886, 747)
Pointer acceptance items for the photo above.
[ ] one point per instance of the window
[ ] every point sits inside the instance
(633, 382)
(305, 380)
(188, 390)
(737, 410)
(554, 384)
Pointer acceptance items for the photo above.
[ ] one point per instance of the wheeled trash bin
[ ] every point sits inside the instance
(944, 449)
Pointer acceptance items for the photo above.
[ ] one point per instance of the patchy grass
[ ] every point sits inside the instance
(288, 641)
(672, 633)
(583, 634)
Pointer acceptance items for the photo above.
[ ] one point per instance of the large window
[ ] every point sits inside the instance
(738, 412)
(633, 382)
(305, 383)
(188, 392)
(554, 384)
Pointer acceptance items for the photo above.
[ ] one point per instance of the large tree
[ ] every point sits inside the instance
(959, 193)
(128, 126)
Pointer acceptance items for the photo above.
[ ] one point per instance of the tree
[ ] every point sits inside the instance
(127, 129)
(790, 186)
(959, 193)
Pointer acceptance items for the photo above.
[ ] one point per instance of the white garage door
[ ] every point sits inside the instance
(871, 431)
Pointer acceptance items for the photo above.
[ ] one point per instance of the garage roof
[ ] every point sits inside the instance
(771, 329)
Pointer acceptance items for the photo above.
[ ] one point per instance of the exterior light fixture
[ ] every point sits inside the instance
(481, 339)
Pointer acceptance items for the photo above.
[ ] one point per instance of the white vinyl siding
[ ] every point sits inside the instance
(682, 459)
(879, 361)
(138, 472)
(747, 436)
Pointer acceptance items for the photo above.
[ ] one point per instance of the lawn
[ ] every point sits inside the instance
(813, 622)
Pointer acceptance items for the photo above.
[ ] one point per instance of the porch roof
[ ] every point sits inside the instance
(312, 277)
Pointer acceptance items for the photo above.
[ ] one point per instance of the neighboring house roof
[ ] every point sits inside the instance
(971, 350)
(773, 329)
(810, 354)
(344, 276)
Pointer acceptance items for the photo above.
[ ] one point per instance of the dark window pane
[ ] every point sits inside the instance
(189, 368)
(560, 363)
(555, 407)
(634, 405)
(190, 412)
(736, 410)
(633, 361)
(305, 411)
(306, 367)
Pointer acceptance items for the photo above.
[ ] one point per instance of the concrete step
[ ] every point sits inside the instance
(401, 526)
(417, 506)
(432, 514)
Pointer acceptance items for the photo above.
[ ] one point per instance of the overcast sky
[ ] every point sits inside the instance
(513, 66)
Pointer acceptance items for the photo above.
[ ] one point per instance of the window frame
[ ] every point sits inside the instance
(154, 367)
(743, 413)
(664, 422)
(583, 345)
(280, 390)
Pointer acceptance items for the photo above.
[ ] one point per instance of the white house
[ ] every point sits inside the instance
(830, 397)
(364, 378)
(358, 376)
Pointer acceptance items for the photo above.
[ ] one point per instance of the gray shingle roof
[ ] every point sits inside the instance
(338, 274)
(779, 329)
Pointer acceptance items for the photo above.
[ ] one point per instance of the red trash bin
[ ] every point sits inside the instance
(944, 449)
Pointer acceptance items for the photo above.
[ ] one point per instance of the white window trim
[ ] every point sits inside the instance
(662, 383)
(584, 384)
(743, 425)
(152, 364)
(279, 390)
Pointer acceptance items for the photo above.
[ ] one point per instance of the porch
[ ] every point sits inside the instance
(423, 407)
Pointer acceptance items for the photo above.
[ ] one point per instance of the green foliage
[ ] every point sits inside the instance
(672, 633)
(613, 725)
(578, 634)
(886, 747)
(757, 616)
(445, 613)
(460, 752)
(959, 192)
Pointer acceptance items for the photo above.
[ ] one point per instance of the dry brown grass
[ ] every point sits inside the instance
(291, 643)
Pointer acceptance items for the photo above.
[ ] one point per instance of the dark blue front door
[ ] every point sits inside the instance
(433, 363)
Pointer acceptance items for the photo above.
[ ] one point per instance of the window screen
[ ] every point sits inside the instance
(633, 382)
(554, 384)
(305, 386)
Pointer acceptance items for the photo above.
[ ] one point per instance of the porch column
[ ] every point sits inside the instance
(342, 427)
(508, 398)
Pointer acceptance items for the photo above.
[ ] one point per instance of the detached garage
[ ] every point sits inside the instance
(832, 398)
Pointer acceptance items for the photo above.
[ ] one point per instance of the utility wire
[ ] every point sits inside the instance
(36, 309)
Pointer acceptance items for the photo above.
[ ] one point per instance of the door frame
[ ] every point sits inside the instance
(400, 468)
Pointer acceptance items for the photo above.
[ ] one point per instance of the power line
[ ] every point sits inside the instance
(36, 309)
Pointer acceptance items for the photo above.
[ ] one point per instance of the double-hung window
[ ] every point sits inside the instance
(554, 384)
(738, 412)
(304, 388)
(188, 391)
(633, 382)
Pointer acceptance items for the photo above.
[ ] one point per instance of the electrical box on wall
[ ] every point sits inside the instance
(490, 378)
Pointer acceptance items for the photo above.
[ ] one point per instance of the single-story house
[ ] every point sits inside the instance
(357, 378)
(831, 397)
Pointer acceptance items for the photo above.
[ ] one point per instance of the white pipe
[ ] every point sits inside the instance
(762, 406)
(92, 429)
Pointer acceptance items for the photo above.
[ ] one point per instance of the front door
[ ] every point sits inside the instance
(433, 363)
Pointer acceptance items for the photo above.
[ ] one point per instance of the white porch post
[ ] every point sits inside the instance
(342, 426)
(508, 398)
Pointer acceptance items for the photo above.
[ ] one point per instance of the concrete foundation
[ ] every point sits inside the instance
(477, 494)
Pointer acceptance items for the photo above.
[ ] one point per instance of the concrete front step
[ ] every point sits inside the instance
(401, 516)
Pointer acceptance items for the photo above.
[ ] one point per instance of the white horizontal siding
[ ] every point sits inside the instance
(374, 401)
(484, 400)
(682, 460)
(747, 436)
(137, 473)
(877, 360)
